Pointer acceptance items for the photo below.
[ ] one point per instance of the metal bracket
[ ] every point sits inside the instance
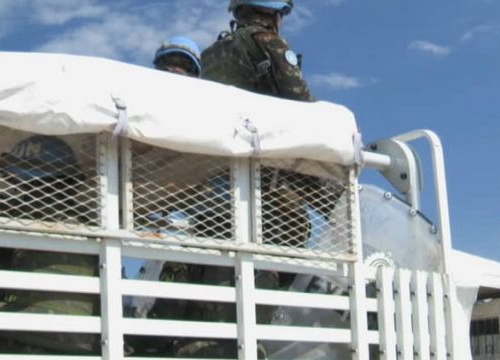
(405, 170)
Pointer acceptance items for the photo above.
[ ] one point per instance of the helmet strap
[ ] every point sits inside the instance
(233, 25)
(277, 21)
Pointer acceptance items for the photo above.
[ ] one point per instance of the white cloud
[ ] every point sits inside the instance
(300, 18)
(108, 38)
(133, 32)
(336, 81)
(481, 29)
(429, 48)
(22, 13)
(203, 22)
(124, 30)
(59, 12)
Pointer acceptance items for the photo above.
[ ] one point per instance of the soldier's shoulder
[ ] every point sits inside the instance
(215, 46)
(222, 37)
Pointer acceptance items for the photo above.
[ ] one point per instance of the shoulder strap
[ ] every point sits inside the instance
(245, 35)
(258, 55)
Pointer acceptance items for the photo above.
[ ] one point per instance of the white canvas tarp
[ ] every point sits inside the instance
(57, 94)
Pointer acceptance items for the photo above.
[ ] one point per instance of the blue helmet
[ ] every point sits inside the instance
(41, 157)
(165, 222)
(284, 6)
(180, 45)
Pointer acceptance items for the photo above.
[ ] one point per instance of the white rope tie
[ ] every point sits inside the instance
(248, 125)
(122, 126)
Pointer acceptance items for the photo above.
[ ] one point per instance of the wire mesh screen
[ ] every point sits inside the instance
(179, 195)
(49, 181)
(304, 207)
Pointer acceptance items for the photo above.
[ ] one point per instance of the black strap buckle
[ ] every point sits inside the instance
(263, 67)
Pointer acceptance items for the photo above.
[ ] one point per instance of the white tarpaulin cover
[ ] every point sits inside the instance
(57, 94)
(469, 273)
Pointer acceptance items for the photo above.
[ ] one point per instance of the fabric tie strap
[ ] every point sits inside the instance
(122, 126)
(249, 126)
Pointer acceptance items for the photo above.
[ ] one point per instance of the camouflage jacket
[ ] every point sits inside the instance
(254, 57)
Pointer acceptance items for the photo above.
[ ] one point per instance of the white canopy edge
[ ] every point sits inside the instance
(474, 270)
(469, 273)
(55, 94)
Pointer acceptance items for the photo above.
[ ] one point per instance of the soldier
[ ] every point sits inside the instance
(39, 180)
(180, 55)
(253, 55)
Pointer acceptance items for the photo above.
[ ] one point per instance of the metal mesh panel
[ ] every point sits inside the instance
(300, 212)
(180, 195)
(49, 181)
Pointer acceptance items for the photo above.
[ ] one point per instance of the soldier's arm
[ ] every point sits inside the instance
(287, 73)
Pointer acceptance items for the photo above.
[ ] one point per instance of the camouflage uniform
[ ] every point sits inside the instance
(254, 57)
(46, 170)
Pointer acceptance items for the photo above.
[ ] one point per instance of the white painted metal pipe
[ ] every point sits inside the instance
(377, 161)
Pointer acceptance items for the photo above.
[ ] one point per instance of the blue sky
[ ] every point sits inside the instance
(398, 65)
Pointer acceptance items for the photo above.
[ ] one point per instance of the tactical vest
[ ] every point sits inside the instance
(237, 59)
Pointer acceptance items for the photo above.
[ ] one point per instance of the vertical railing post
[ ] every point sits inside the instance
(420, 315)
(403, 314)
(436, 317)
(244, 272)
(386, 310)
(451, 306)
(256, 196)
(110, 257)
(357, 293)
(245, 295)
(127, 206)
(111, 301)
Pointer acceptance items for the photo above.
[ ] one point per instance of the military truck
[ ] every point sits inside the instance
(111, 173)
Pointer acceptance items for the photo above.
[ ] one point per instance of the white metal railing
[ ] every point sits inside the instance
(422, 323)
(112, 288)
(412, 315)
(444, 227)
(411, 306)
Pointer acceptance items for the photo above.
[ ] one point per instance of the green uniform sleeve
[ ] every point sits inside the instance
(287, 76)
